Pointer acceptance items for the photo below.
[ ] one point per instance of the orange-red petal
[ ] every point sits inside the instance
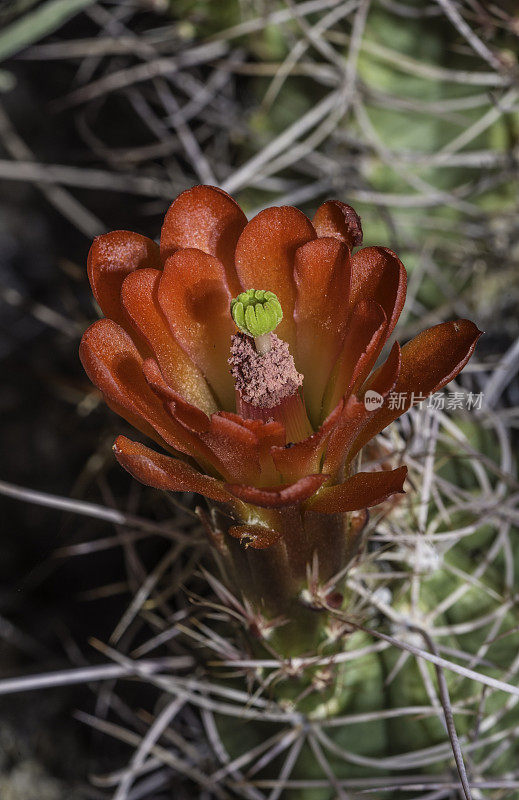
(378, 274)
(265, 257)
(429, 362)
(111, 258)
(339, 220)
(186, 413)
(163, 472)
(286, 495)
(114, 365)
(363, 490)
(138, 423)
(385, 377)
(194, 297)
(233, 447)
(236, 447)
(304, 457)
(268, 434)
(322, 278)
(140, 301)
(208, 219)
(356, 413)
(364, 339)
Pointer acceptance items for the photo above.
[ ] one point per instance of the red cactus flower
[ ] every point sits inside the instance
(277, 469)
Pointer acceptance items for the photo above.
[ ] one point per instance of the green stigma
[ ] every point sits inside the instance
(256, 312)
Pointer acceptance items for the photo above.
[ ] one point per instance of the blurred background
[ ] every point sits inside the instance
(406, 109)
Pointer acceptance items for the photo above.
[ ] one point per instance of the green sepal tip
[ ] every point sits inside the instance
(256, 312)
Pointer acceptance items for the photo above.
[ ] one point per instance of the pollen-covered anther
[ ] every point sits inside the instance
(263, 380)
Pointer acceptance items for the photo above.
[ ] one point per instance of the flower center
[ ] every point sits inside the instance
(263, 379)
(267, 383)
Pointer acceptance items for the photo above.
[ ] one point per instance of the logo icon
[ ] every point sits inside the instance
(372, 400)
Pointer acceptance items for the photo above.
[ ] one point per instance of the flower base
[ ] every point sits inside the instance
(286, 589)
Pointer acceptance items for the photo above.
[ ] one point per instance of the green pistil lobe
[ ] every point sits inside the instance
(256, 312)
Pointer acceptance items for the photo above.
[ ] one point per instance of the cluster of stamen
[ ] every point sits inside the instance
(266, 380)
(263, 380)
